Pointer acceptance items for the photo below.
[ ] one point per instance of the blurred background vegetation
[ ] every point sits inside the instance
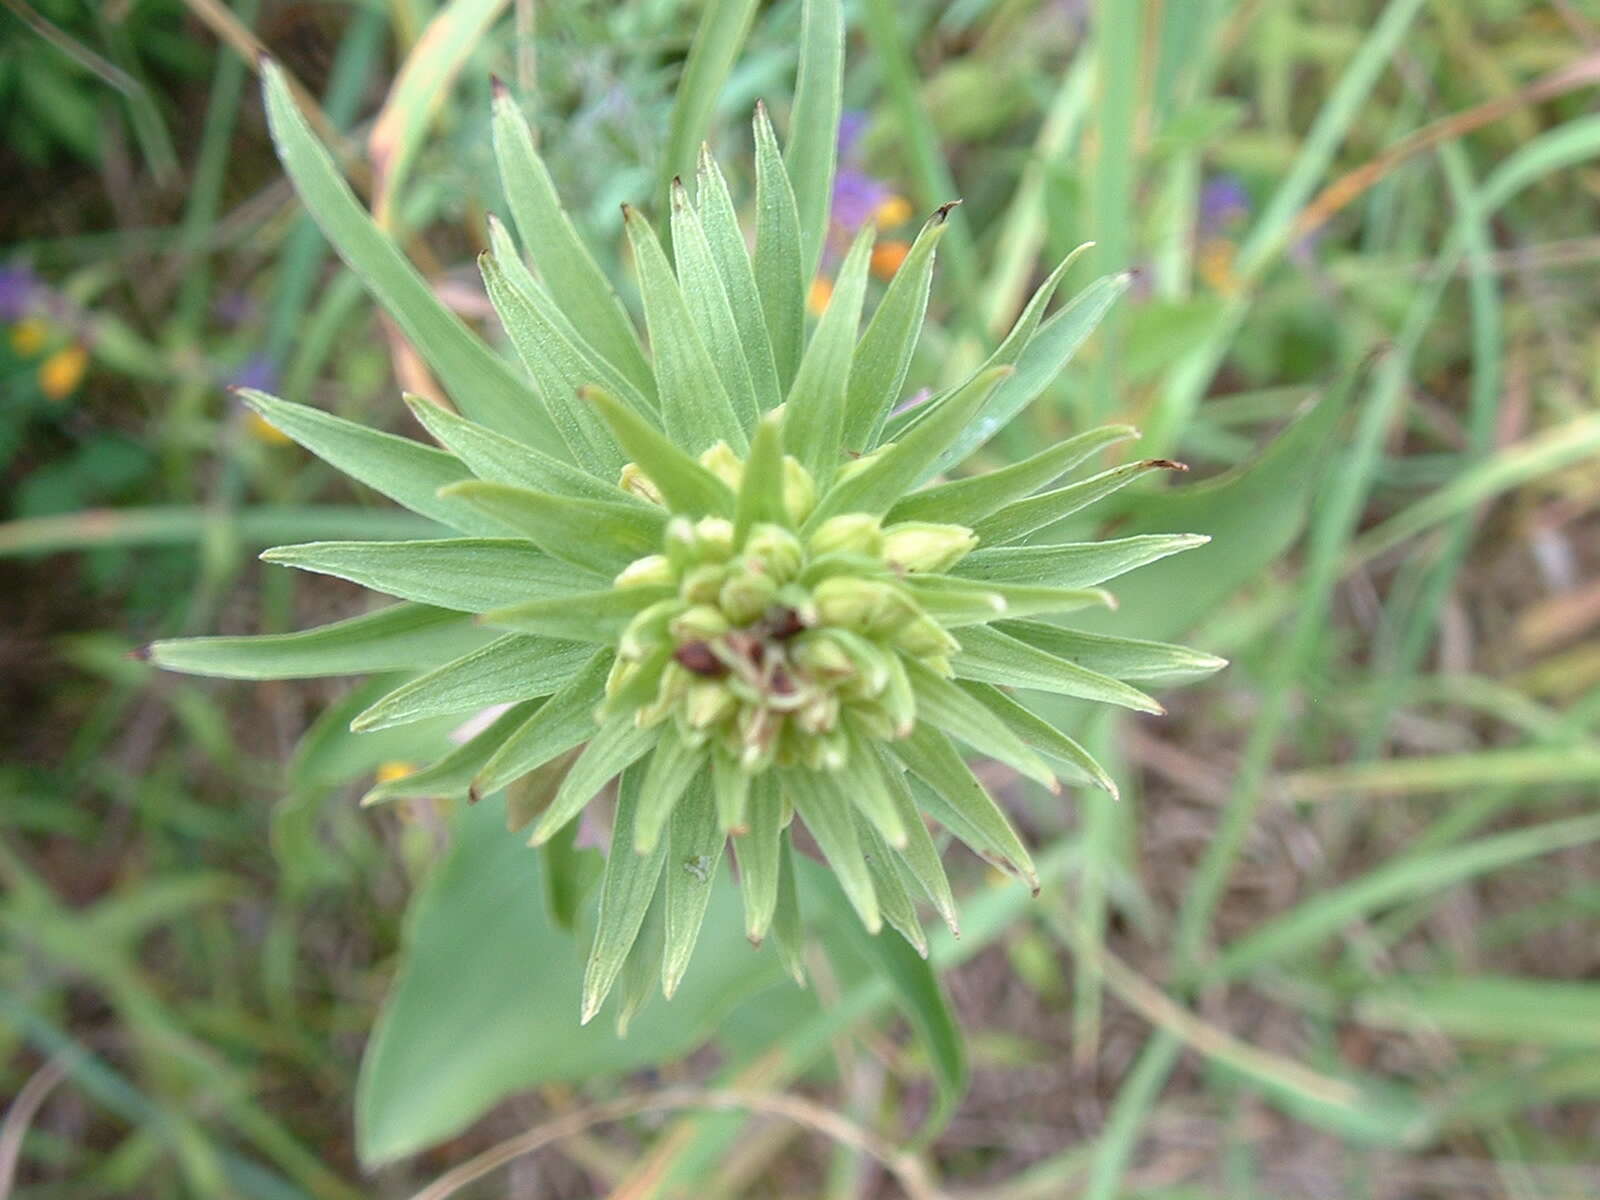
(1341, 937)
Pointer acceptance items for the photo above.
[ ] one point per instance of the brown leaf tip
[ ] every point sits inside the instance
(140, 654)
(499, 88)
(942, 213)
(1166, 464)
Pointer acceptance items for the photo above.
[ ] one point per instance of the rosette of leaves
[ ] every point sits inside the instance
(719, 574)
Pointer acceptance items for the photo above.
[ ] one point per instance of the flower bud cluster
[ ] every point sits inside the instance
(778, 647)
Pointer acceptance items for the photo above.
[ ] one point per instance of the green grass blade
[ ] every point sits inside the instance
(724, 26)
(814, 124)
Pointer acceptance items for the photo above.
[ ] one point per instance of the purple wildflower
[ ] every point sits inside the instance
(1223, 204)
(856, 196)
(19, 292)
(258, 372)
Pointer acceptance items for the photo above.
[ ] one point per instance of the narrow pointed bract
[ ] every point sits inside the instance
(752, 613)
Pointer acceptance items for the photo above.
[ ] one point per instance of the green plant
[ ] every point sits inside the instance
(717, 573)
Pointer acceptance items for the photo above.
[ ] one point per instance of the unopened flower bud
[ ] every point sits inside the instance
(682, 550)
(746, 595)
(674, 685)
(703, 584)
(820, 715)
(855, 533)
(700, 623)
(636, 482)
(707, 703)
(923, 637)
(898, 701)
(821, 656)
(648, 629)
(714, 539)
(924, 546)
(722, 462)
(776, 549)
(850, 603)
(799, 490)
(650, 571)
(827, 751)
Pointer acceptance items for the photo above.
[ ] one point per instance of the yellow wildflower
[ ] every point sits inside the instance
(60, 374)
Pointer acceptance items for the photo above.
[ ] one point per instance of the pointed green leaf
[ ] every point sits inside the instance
(894, 900)
(687, 487)
(780, 276)
(758, 854)
(515, 667)
(1120, 658)
(868, 790)
(626, 891)
(731, 790)
(485, 387)
(1022, 517)
(709, 308)
(720, 35)
(642, 967)
(968, 501)
(954, 797)
(558, 369)
(823, 804)
(594, 617)
(878, 370)
(470, 574)
(407, 472)
(814, 422)
(761, 489)
(579, 286)
(1042, 736)
(990, 656)
(788, 933)
(673, 766)
(1072, 564)
(597, 535)
(814, 123)
(920, 857)
(695, 408)
(400, 637)
(614, 747)
(452, 775)
(726, 241)
(944, 704)
(565, 720)
(530, 795)
(954, 602)
(877, 485)
(694, 854)
(498, 459)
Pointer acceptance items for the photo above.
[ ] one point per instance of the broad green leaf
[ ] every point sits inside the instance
(400, 637)
(814, 123)
(968, 501)
(498, 459)
(602, 536)
(673, 766)
(453, 774)
(1120, 658)
(486, 975)
(878, 484)
(709, 308)
(822, 803)
(594, 617)
(954, 797)
(1042, 736)
(954, 602)
(726, 241)
(780, 276)
(407, 472)
(1041, 361)
(579, 286)
(626, 889)
(615, 746)
(1072, 564)
(687, 487)
(1022, 517)
(515, 667)
(944, 704)
(565, 720)
(694, 856)
(558, 369)
(485, 387)
(990, 656)
(878, 370)
(761, 490)
(470, 574)
(758, 854)
(695, 408)
(1535, 1012)
(814, 414)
